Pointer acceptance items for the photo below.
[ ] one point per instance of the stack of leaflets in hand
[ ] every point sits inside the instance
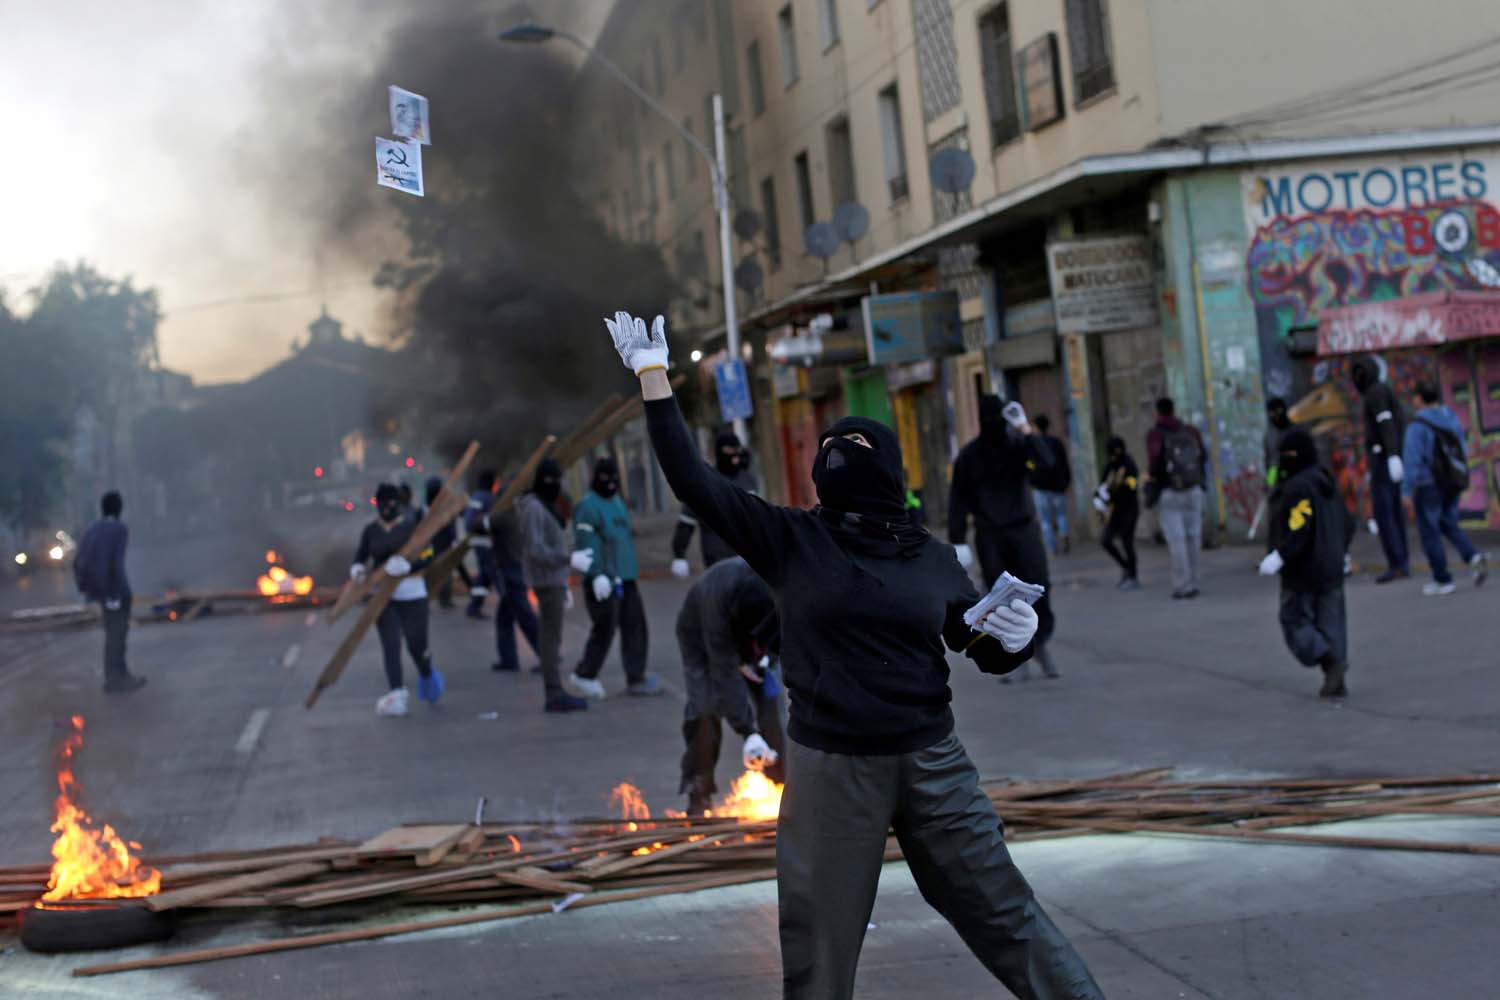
(1005, 590)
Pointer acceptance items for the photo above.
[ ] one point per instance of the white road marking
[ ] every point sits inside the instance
(253, 727)
(290, 656)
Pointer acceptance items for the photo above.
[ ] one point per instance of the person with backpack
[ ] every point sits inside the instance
(1437, 473)
(1178, 465)
(1051, 485)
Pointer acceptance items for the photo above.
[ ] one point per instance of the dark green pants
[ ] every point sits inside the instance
(835, 814)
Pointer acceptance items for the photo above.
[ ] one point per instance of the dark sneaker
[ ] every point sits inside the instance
(1045, 659)
(1129, 583)
(1392, 574)
(565, 703)
(123, 684)
(1480, 567)
(1333, 682)
(506, 668)
(646, 687)
(699, 804)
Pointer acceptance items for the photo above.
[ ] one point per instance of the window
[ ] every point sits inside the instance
(773, 225)
(828, 23)
(999, 76)
(756, 80)
(804, 191)
(1089, 48)
(657, 67)
(893, 145)
(651, 199)
(669, 164)
(689, 153)
(788, 34)
(840, 162)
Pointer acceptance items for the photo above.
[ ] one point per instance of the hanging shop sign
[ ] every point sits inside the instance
(911, 326)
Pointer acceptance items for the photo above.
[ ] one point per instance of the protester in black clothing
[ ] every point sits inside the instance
(1051, 482)
(477, 528)
(99, 572)
(1278, 423)
(725, 631)
(1117, 498)
(991, 483)
(1385, 433)
(1313, 531)
(380, 544)
(868, 602)
(733, 463)
(443, 541)
(513, 608)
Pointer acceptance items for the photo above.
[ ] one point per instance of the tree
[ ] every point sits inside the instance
(35, 423)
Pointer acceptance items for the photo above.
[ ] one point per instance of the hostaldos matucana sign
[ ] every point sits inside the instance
(1102, 283)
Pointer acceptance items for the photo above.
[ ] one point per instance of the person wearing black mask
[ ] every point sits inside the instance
(477, 528)
(868, 601)
(1314, 531)
(444, 540)
(1117, 498)
(1279, 423)
(991, 477)
(546, 559)
(512, 608)
(1385, 432)
(733, 463)
(406, 615)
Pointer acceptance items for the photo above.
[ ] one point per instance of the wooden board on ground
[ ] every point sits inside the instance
(425, 845)
(207, 891)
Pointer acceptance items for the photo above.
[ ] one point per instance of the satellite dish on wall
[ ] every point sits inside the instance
(821, 240)
(747, 224)
(952, 170)
(748, 275)
(851, 220)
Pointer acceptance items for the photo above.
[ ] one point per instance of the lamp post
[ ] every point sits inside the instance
(718, 169)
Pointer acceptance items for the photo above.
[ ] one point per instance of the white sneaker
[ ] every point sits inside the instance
(1434, 589)
(1480, 567)
(587, 686)
(392, 703)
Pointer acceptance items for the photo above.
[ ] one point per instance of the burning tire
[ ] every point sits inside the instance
(60, 927)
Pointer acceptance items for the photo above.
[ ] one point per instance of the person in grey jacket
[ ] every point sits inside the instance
(547, 559)
(1437, 512)
(99, 571)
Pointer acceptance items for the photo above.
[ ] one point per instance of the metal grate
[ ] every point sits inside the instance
(937, 57)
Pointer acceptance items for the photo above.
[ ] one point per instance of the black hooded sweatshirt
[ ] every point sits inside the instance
(867, 599)
(736, 470)
(1311, 527)
(992, 476)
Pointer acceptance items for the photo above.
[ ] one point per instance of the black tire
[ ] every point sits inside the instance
(93, 928)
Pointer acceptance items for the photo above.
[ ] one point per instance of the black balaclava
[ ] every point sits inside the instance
(404, 492)
(547, 485)
(1362, 374)
(992, 426)
(858, 480)
(388, 501)
(111, 504)
(1276, 410)
(1115, 448)
(434, 487)
(729, 454)
(1298, 451)
(606, 478)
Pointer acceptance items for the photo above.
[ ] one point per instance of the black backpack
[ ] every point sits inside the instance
(1183, 451)
(1450, 466)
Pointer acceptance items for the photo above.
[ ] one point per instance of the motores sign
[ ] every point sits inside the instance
(1102, 283)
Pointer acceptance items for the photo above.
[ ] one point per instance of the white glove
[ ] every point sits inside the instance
(602, 588)
(1013, 626)
(357, 572)
(638, 349)
(582, 560)
(1014, 414)
(112, 604)
(1394, 467)
(1272, 563)
(397, 566)
(757, 754)
(1101, 505)
(965, 555)
(681, 569)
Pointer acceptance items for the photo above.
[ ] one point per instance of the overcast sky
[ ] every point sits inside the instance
(132, 127)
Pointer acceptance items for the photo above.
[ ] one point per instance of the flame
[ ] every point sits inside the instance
(642, 851)
(272, 556)
(515, 845)
(632, 803)
(277, 582)
(87, 863)
(753, 796)
(536, 605)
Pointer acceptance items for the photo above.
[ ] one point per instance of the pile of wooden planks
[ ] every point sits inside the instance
(536, 867)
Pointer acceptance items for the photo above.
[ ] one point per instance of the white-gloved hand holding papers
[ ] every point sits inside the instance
(1014, 625)
(1005, 590)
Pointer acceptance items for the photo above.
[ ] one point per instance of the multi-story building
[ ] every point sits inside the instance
(1093, 202)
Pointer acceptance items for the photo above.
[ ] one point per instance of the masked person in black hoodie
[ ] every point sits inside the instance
(868, 600)
(1117, 498)
(1311, 532)
(733, 463)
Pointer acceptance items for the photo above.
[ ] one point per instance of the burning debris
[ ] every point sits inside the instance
(276, 581)
(752, 797)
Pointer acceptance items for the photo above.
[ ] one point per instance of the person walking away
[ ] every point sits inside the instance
(990, 483)
(723, 631)
(477, 527)
(1116, 499)
(1178, 464)
(99, 572)
(1385, 431)
(869, 602)
(1437, 473)
(1051, 482)
(546, 559)
(406, 615)
(601, 525)
(513, 608)
(443, 541)
(733, 463)
(1313, 531)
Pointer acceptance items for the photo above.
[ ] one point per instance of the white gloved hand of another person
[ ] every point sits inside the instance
(582, 560)
(357, 572)
(1395, 468)
(397, 566)
(1272, 563)
(965, 555)
(1013, 626)
(1101, 505)
(602, 588)
(757, 754)
(681, 569)
(113, 604)
(1014, 414)
(640, 350)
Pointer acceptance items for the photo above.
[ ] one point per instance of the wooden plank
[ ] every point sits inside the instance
(521, 481)
(606, 406)
(443, 567)
(535, 878)
(425, 845)
(234, 866)
(1276, 837)
(197, 895)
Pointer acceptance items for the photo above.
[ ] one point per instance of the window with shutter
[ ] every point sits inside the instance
(1089, 48)
(999, 76)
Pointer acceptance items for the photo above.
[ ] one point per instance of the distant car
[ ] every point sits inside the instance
(46, 550)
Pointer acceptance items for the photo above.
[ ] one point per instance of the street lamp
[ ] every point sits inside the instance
(718, 168)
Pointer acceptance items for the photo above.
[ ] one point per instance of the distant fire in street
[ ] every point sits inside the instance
(277, 582)
(752, 797)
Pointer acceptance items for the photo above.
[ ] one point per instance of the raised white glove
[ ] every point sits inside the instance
(357, 572)
(397, 566)
(965, 555)
(757, 754)
(602, 588)
(638, 349)
(1014, 414)
(1272, 563)
(582, 560)
(1013, 626)
(1395, 468)
(681, 569)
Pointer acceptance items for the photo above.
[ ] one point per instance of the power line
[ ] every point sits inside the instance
(264, 297)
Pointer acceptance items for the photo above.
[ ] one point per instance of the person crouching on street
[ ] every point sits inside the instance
(406, 615)
(546, 558)
(868, 602)
(1310, 533)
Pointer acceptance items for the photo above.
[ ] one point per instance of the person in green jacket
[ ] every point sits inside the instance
(601, 525)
